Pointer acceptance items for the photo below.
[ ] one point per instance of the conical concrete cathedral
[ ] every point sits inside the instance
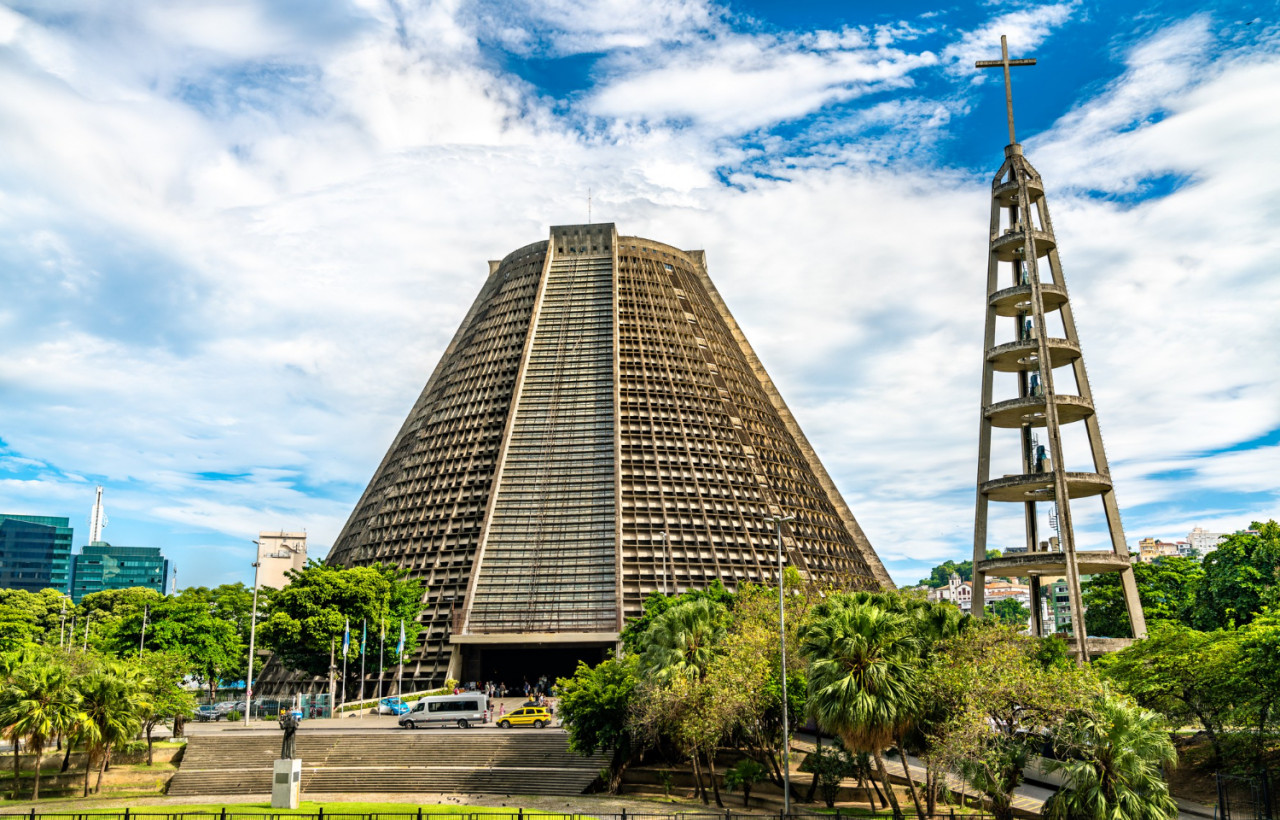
(598, 429)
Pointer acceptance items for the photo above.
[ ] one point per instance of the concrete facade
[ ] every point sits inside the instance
(278, 553)
(598, 430)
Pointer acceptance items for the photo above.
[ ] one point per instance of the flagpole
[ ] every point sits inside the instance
(382, 659)
(346, 645)
(364, 627)
(400, 659)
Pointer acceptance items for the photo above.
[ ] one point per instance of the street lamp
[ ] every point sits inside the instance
(782, 640)
(253, 628)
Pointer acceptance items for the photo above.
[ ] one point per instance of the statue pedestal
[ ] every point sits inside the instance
(286, 784)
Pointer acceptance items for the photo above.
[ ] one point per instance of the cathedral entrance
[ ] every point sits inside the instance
(516, 665)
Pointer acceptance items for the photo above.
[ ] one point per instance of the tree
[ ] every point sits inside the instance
(1183, 674)
(38, 704)
(595, 707)
(165, 698)
(999, 691)
(1240, 577)
(30, 617)
(1258, 676)
(657, 603)
(306, 617)
(681, 640)
(829, 767)
(1166, 587)
(231, 602)
(745, 774)
(111, 702)
(1110, 756)
(1010, 611)
(862, 665)
(188, 627)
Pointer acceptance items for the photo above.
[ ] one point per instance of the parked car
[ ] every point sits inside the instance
(463, 711)
(228, 706)
(535, 716)
(392, 706)
(207, 712)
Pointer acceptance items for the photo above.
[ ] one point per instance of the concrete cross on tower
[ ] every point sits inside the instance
(1005, 63)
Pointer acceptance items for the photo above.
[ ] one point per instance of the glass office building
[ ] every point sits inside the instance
(101, 566)
(35, 552)
(598, 430)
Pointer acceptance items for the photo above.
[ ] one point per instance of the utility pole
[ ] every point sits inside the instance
(143, 640)
(782, 642)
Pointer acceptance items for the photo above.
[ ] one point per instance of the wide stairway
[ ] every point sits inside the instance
(470, 762)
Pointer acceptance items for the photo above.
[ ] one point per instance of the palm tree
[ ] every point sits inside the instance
(39, 703)
(862, 662)
(112, 703)
(681, 641)
(1111, 758)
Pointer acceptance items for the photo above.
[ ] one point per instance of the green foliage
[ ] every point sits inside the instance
(1167, 589)
(1111, 756)
(185, 626)
(1183, 674)
(657, 604)
(940, 575)
(1010, 611)
(1240, 577)
(112, 700)
(166, 700)
(742, 776)
(830, 766)
(595, 703)
(998, 690)
(38, 703)
(30, 617)
(306, 618)
(681, 641)
(232, 603)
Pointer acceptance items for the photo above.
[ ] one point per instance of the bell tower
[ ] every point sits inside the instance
(1027, 294)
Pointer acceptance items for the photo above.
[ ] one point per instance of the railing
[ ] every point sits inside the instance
(943, 813)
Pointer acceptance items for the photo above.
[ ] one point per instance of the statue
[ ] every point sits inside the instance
(289, 723)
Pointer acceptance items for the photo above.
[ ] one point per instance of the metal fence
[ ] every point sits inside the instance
(944, 813)
(1248, 798)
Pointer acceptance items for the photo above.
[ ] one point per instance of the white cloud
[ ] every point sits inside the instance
(217, 270)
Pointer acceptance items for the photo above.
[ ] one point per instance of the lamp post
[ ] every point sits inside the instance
(253, 629)
(782, 640)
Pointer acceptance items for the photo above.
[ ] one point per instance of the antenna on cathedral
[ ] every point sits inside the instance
(97, 519)
(588, 206)
(1005, 63)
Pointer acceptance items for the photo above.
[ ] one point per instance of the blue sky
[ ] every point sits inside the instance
(236, 236)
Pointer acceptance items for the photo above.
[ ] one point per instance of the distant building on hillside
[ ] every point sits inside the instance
(35, 552)
(101, 566)
(960, 593)
(1149, 549)
(1203, 541)
(278, 553)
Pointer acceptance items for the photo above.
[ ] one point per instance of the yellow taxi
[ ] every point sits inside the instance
(535, 716)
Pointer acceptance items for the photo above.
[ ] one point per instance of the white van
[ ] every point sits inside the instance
(463, 711)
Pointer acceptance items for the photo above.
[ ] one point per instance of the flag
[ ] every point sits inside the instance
(364, 634)
(346, 638)
(400, 645)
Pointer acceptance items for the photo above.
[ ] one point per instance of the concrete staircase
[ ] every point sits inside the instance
(480, 761)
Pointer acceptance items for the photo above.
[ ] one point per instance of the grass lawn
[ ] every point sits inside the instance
(308, 807)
